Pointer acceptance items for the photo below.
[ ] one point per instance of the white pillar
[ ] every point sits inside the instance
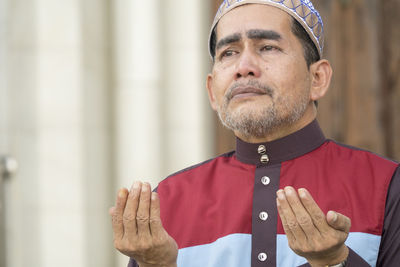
(96, 92)
(60, 130)
(3, 68)
(19, 135)
(3, 123)
(139, 152)
(58, 127)
(188, 121)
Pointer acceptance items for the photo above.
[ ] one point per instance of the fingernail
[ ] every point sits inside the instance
(135, 186)
(281, 194)
(145, 187)
(121, 193)
(288, 190)
(334, 215)
(302, 193)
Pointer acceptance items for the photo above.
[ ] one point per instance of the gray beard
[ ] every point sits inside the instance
(265, 122)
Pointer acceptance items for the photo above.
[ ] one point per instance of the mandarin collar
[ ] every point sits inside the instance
(286, 148)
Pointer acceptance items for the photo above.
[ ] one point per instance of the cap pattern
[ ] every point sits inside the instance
(301, 10)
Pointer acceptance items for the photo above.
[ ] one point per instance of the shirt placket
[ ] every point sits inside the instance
(264, 213)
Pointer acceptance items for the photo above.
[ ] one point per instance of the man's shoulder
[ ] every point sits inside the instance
(357, 153)
(202, 167)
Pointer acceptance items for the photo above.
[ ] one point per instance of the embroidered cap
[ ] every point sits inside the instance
(301, 10)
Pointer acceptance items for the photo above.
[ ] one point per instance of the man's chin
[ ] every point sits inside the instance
(247, 110)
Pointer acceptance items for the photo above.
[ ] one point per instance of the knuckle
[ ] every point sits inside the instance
(292, 225)
(140, 218)
(128, 217)
(116, 219)
(319, 218)
(304, 220)
(155, 220)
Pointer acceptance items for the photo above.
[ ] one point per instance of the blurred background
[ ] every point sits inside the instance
(95, 94)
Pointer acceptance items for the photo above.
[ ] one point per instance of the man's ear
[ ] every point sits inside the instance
(211, 96)
(321, 74)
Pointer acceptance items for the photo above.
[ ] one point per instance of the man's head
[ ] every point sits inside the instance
(261, 84)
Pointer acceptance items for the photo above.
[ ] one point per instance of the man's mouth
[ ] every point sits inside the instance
(243, 92)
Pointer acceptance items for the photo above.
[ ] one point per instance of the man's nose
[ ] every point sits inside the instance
(247, 65)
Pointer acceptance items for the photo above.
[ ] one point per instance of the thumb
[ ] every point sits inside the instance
(338, 221)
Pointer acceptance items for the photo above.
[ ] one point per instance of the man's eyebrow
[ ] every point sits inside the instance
(263, 34)
(228, 40)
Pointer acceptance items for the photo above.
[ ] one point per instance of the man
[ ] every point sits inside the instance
(337, 205)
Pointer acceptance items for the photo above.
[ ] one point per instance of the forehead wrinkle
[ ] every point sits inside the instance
(263, 34)
(233, 38)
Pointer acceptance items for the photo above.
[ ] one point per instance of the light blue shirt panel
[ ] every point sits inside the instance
(229, 251)
(235, 251)
(365, 245)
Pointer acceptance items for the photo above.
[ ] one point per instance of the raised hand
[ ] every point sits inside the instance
(311, 234)
(137, 227)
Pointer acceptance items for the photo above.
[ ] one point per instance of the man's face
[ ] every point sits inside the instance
(260, 82)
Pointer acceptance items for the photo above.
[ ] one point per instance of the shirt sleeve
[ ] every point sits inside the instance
(132, 263)
(389, 255)
(353, 260)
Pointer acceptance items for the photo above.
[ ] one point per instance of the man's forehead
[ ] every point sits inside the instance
(255, 16)
(265, 23)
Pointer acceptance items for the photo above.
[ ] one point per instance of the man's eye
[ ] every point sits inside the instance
(268, 48)
(227, 53)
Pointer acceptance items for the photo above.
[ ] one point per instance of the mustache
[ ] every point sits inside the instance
(254, 85)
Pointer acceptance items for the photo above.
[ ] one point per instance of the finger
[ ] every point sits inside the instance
(143, 213)
(111, 210)
(156, 227)
(288, 233)
(339, 221)
(291, 223)
(317, 216)
(130, 212)
(117, 214)
(302, 215)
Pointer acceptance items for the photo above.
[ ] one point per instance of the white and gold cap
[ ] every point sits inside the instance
(301, 10)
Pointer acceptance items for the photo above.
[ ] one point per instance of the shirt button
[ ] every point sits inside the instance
(264, 159)
(262, 256)
(265, 180)
(262, 149)
(263, 215)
